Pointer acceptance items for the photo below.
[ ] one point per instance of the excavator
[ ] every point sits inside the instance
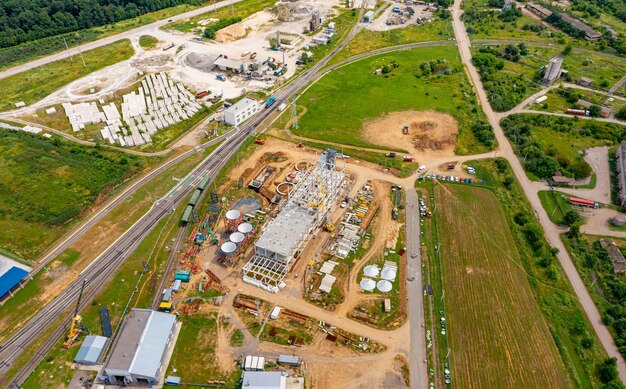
(76, 328)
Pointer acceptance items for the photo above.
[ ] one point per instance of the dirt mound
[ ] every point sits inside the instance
(231, 33)
(430, 133)
(200, 61)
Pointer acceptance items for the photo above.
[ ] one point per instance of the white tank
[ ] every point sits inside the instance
(245, 228)
(237, 237)
(233, 214)
(228, 248)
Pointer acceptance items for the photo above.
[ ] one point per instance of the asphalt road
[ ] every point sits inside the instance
(552, 232)
(415, 293)
(105, 41)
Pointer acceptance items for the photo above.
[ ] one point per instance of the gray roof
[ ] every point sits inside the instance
(142, 342)
(228, 63)
(264, 380)
(283, 234)
(91, 349)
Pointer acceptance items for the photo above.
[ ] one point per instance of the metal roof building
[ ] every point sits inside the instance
(139, 353)
(264, 380)
(91, 350)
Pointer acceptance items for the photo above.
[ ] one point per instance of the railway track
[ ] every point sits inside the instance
(107, 264)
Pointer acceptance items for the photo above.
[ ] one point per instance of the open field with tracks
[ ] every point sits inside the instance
(497, 334)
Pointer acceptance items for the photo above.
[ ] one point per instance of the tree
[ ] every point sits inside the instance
(595, 111)
(571, 217)
(607, 371)
(615, 384)
(567, 50)
(621, 114)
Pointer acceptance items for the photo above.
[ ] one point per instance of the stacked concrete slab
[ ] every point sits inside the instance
(158, 103)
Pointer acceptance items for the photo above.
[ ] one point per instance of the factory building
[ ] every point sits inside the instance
(620, 162)
(240, 111)
(138, 355)
(284, 237)
(229, 64)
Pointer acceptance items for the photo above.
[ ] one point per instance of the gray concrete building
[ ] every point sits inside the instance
(620, 162)
(139, 353)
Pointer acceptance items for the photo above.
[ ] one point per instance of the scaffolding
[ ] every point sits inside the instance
(284, 237)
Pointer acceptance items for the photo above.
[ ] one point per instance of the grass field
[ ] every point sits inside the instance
(490, 304)
(338, 103)
(148, 41)
(47, 183)
(35, 84)
(194, 355)
(558, 103)
(242, 9)
(555, 205)
(367, 40)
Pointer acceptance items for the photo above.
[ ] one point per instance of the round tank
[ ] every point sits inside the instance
(228, 248)
(237, 237)
(245, 228)
(233, 214)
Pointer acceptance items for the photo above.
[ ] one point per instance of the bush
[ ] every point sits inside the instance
(571, 217)
(621, 114)
(607, 371)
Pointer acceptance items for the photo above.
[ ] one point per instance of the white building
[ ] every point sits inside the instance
(240, 111)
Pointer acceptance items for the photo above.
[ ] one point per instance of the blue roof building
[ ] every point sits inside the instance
(10, 279)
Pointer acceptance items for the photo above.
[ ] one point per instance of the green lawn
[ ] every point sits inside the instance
(47, 183)
(367, 40)
(194, 356)
(558, 103)
(35, 84)
(555, 204)
(148, 41)
(338, 103)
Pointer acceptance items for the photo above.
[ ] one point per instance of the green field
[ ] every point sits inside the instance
(35, 84)
(148, 41)
(490, 304)
(558, 103)
(242, 9)
(47, 183)
(555, 205)
(339, 102)
(368, 40)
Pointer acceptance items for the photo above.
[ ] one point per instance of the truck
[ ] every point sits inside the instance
(202, 94)
(259, 141)
(583, 203)
(168, 47)
(221, 77)
(579, 112)
(282, 107)
(407, 158)
(270, 101)
(390, 155)
(278, 71)
(541, 99)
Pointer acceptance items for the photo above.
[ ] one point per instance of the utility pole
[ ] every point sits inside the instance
(295, 114)
(232, 7)
(81, 55)
(68, 50)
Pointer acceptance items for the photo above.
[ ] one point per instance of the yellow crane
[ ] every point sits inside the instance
(76, 328)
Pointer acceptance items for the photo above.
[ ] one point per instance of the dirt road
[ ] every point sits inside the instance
(552, 233)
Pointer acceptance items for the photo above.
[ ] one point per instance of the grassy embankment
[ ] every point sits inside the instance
(148, 41)
(339, 102)
(35, 84)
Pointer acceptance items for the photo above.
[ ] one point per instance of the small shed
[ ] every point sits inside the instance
(91, 350)
(387, 305)
(176, 286)
(167, 295)
(254, 363)
(368, 17)
(618, 220)
(172, 380)
(584, 81)
(291, 360)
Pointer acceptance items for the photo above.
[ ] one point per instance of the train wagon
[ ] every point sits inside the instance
(195, 197)
(583, 203)
(187, 214)
(203, 183)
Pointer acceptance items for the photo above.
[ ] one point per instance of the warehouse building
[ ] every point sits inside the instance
(11, 276)
(91, 350)
(229, 64)
(240, 111)
(590, 33)
(138, 355)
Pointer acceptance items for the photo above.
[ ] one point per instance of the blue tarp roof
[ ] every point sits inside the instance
(9, 279)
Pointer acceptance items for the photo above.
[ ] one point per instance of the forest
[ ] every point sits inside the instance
(28, 20)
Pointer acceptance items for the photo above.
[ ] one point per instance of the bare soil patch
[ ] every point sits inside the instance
(231, 33)
(430, 134)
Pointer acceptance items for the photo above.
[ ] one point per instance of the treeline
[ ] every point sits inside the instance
(28, 20)
(213, 28)
(52, 181)
(544, 161)
(504, 90)
(596, 7)
(591, 258)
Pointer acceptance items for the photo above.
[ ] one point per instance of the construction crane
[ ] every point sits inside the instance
(76, 328)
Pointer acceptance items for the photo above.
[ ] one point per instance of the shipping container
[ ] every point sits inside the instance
(187, 214)
(203, 183)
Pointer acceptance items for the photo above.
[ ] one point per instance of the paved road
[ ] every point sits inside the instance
(105, 41)
(552, 233)
(418, 372)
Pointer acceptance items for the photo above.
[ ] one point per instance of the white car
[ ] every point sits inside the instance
(421, 169)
